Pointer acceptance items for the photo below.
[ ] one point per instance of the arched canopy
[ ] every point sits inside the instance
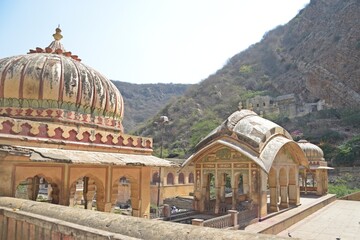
(272, 148)
(256, 138)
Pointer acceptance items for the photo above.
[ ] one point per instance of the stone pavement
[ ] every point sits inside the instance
(339, 220)
(277, 222)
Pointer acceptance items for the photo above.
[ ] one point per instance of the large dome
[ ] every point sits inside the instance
(53, 84)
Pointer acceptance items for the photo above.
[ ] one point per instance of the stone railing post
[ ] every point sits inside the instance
(234, 217)
(197, 222)
(166, 210)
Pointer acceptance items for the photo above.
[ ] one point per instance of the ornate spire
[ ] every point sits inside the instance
(57, 36)
(56, 46)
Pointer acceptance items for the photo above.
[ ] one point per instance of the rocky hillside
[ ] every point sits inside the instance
(315, 57)
(143, 101)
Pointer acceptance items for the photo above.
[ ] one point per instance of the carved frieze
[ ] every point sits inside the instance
(207, 165)
(224, 165)
(241, 165)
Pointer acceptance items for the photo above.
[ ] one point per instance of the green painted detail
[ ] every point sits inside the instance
(224, 154)
(52, 104)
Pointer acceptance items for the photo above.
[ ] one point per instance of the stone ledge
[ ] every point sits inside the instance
(133, 227)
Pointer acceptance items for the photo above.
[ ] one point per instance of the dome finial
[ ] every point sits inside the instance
(57, 36)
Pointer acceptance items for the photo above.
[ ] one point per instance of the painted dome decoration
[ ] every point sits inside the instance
(52, 84)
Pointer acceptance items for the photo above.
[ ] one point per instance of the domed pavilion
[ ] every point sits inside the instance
(247, 162)
(315, 178)
(61, 125)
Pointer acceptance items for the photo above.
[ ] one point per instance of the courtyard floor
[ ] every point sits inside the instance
(339, 220)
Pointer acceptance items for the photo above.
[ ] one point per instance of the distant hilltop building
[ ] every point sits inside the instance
(285, 105)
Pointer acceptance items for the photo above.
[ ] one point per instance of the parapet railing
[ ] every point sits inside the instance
(219, 222)
(233, 219)
(226, 221)
(247, 216)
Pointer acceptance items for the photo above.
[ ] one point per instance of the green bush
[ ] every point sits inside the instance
(341, 190)
(201, 129)
(343, 185)
(348, 152)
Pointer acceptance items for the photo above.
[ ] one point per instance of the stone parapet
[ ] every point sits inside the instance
(51, 219)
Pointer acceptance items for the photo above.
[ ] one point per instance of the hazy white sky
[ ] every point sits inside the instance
(144, 41)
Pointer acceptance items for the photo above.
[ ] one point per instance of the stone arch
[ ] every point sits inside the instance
(88, 191)
(181, 178)
(133, 188)
(239, 182)
(170, 179)
(191, 177)
(38, 188)
(155, 178)
(208, 191)
(122, 193)
(311, 179)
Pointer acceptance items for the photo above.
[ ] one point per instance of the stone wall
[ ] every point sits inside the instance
(16, 224)
(24, 219)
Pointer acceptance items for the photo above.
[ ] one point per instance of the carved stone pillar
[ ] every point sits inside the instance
(284, 197)
(262, 194)
(319, 182)
(294, 194)
(218, 185)
(273, 199)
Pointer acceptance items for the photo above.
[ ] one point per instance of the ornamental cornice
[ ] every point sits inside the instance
(67, 116)
(59, 131)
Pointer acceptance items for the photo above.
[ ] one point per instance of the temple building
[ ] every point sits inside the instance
(61, 132)
(245, 161)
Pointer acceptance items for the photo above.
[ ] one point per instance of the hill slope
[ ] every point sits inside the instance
(315, 57)
(142, 101)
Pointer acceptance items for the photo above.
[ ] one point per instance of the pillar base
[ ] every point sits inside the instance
(284, 205)
(274, 208)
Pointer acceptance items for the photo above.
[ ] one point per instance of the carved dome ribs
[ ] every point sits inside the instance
(54, 80)
(312, 152)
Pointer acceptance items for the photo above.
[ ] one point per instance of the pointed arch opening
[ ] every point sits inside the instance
(87, 192)
(38, 188)
(121, 196)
